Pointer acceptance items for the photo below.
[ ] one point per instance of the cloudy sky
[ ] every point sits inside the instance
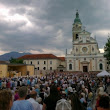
(45, 26)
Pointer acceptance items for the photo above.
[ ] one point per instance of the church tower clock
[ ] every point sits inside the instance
(77, 27)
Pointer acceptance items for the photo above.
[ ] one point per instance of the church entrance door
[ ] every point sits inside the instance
(85, 69)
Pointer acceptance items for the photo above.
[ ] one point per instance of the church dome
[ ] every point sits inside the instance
(77, 19)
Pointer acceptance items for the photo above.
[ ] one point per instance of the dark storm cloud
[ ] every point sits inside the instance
(47, 24)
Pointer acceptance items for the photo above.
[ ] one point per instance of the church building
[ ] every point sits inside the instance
(85, 55)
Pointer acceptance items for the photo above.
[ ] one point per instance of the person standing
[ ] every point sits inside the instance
(32, 99)
(21, 103)
(49, 103)
(104, 103)
(16, 96)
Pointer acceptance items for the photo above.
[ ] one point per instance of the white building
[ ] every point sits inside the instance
(45, 63)
(85, 55)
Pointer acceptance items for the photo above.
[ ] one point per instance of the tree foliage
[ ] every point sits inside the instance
(107, 51)
(16, 61)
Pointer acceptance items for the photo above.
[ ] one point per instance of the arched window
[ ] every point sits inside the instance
(70, 66)
(100, 66)
(76, 36)
(37, 68)
(44, 68)
(31, 62)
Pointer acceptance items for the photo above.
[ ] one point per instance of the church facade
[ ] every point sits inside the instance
(85, 55)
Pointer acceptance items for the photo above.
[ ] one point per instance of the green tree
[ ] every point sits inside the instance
(14, 60)
(107, 51)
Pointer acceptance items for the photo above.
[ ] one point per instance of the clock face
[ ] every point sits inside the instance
(84, 49)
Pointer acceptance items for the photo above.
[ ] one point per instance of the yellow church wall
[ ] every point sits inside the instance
(3, 70)
(30, 69)
(23, 71)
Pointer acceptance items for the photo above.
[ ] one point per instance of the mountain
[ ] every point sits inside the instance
(7, 56)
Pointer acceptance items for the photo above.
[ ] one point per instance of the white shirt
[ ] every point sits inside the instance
(41, 106)
(35, 104)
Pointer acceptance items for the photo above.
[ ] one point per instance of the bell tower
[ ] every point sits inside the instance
(77, 27)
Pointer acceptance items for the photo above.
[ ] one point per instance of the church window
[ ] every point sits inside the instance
(50, 62)
(44, 68)
(84, 49)
(38, 62)
(76, 36)
(50, 68)
(31, 62)
(70, 66)
(37, 68)
(92, 49)
(100, 66)
(44, 62)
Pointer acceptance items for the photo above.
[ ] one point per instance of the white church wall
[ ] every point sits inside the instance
(85, 52)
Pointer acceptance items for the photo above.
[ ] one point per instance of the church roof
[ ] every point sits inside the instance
(62, 58)
(77, 19)
(39, 56)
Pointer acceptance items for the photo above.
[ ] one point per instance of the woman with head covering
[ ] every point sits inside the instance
(50, 102)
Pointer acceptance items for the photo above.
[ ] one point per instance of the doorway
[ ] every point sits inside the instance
(85, 69)
(61, 70)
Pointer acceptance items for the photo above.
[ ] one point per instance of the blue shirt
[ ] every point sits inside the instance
(22, 105)
(38, 91)
(28, 82)
(82, 100)
(89, 108)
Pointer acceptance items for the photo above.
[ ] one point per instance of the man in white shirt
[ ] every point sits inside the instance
(32, 99)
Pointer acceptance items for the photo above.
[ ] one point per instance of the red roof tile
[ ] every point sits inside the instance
(62, 58)
(39, 56)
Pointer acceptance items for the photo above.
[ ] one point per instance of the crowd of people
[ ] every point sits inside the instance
(55, 91)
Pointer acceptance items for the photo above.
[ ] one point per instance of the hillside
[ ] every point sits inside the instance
(7, 56)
